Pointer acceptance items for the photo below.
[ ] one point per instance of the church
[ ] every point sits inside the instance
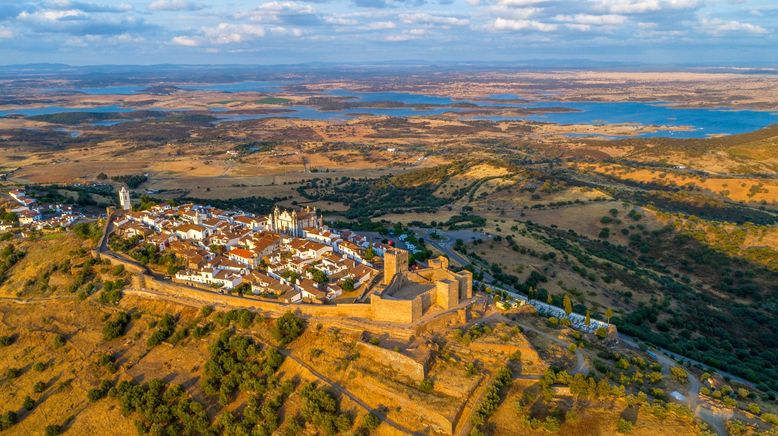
(293, 223)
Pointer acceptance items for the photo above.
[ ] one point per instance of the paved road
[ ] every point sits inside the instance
(445, 245)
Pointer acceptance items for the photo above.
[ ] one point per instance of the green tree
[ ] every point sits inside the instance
(28, 403)
(624, 426)
(608, 315)
(679, 374)
(588, 320)
(347, 284)
(567, 304)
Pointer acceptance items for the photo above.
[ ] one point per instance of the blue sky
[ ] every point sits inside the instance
(722, 32)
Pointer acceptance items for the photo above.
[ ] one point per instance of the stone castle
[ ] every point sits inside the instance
(408, 295)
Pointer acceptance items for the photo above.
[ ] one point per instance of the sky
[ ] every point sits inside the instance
(711, 32)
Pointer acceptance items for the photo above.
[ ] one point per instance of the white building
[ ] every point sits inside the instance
(124, 198)
(293, 223)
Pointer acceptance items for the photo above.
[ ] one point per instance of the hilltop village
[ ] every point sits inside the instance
(288, 255)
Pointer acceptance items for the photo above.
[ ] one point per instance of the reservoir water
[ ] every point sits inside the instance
(702, 122)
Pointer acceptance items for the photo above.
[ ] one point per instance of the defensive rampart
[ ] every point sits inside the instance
(397, 361)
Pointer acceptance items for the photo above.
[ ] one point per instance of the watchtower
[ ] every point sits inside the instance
(395, 262)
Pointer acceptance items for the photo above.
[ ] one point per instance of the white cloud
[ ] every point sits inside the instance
(287, 7)
(185, 41)
(516, 25)
(594, 20)
(519, 2)
(5, 33)
(425, 18)
(380, 25)
(52, 15)
(175, 5)
(715, 26)
(340, 21)
(227, 33)
(514, 13)
(643, 6)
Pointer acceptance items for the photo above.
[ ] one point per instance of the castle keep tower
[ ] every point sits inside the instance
(395, 262)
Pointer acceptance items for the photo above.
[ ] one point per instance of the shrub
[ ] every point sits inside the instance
(7, 340)
(426, 385)
(679, 374)
(53, 430)
(39, 387)
(100, 391)
(492, 398)
(287, 328)
(163, 408)
(624, 426)
(39, 366)
(7, 420)
(371, 421)
(28, 403)
(165, 329)
(59, 341)
(320, 408)
(116, 327)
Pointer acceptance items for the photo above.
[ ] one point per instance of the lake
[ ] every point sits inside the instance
(703, 121)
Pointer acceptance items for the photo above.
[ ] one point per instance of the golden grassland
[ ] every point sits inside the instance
(751, 190)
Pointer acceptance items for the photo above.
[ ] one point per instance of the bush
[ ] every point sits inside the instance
(320, 408)
(53, 430)
(100, 391)
(287, 328)
(492, 398)
(28, 403)
(13, 372)
(426, 385)
(679, 374)
(163, 408)
(7, 340)
(39, 387)
(165, 329)
(116, 326)
(624, 426)
(371, 421)
(39, 366)
(7, 420)
(59, 341)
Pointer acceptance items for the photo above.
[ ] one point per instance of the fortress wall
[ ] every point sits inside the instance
(426, 300)
(207, 297)
(131, 267)
(437, 421)
(404, 365)
(403, 311)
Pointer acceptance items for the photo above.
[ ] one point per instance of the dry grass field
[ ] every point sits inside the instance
(750, 190)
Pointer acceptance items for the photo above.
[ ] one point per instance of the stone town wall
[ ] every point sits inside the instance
(402, 364)
(130, 266)
(207, 297)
